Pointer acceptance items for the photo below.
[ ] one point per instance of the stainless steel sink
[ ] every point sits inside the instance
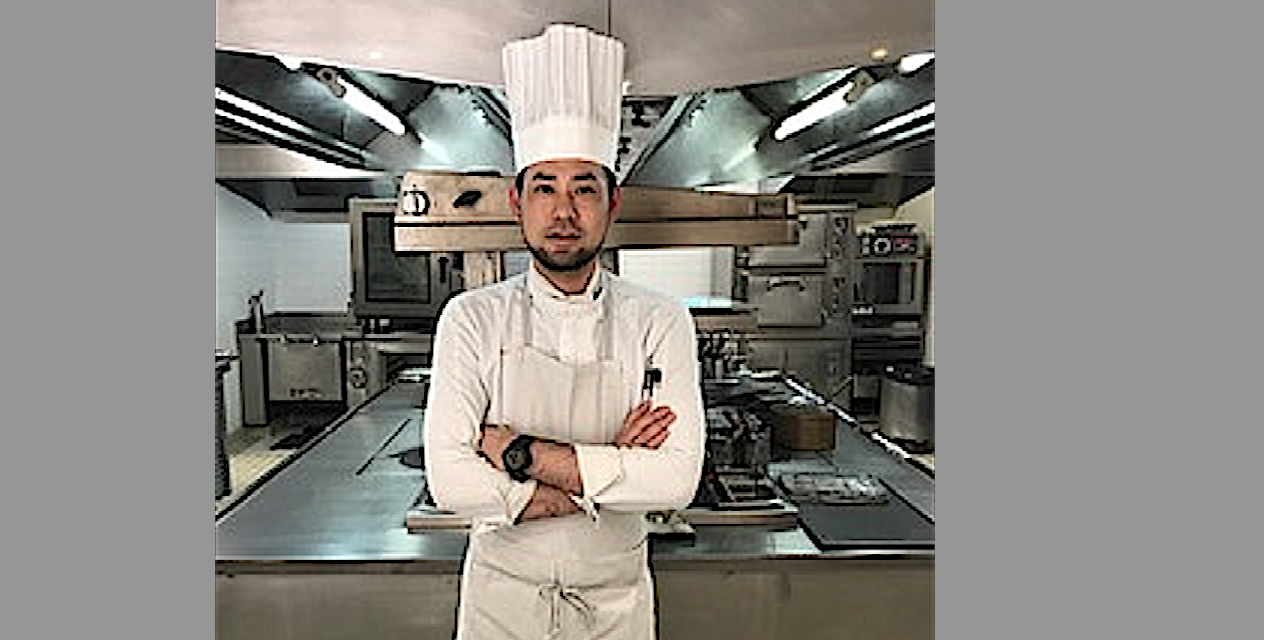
(294, 323)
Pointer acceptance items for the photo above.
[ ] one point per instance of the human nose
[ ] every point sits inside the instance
(565, 207)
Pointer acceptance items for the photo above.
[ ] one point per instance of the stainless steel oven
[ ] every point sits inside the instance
(890, 273)
(396, 284)
(375, 362)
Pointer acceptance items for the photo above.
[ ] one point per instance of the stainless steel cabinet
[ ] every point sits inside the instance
(801, 296)
(822, 364)
(304, 367)
(810, 251)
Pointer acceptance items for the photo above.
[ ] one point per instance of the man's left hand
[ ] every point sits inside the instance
(493, 442)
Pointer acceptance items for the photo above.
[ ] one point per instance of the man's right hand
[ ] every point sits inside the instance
(645, 426)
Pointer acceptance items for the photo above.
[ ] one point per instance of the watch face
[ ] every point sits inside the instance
(515, 458)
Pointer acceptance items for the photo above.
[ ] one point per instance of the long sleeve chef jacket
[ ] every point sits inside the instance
(649, 330)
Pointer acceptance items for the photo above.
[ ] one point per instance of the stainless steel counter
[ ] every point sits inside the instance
(320, 550)
(342, 499)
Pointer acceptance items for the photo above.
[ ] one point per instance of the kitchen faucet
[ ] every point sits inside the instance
(255, 302)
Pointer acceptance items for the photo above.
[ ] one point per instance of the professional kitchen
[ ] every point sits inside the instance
(775, 174)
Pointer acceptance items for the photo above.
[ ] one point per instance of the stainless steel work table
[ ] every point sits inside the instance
(320, 549)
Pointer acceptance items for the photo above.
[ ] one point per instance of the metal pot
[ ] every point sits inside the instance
(907, 409)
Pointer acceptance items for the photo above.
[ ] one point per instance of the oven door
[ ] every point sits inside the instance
(788, 300)
(386, 283)
(889, 285)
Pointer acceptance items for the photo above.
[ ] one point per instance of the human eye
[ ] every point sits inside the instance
(543, 188)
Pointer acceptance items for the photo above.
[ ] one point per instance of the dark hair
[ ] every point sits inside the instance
(611, 180)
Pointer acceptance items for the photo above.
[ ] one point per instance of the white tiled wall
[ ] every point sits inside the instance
(243, 265)
(298, 266)
(682, 272)
(312, 266)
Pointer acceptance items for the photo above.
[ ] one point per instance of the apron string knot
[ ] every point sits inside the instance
(558, 595)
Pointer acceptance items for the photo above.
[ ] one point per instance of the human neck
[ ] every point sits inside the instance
(568, 282)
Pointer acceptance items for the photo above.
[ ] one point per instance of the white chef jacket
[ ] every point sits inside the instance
(650, 330)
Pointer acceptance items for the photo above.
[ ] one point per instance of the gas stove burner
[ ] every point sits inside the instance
(411, 458)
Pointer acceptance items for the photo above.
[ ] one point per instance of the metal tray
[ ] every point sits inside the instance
(818, 487)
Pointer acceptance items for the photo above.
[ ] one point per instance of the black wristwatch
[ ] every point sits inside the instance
(517, 457)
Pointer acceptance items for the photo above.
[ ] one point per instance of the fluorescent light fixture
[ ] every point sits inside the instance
(914, 61)
(373, 109)
(918, 129)
(280, 119)
(290, 62)
(259, 110)
(830, 79)
(250, 124)
(903, 119)
(361, 101)
(815, 112)
(822, 108)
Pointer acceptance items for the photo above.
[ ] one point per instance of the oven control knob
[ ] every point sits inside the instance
(358, 378)
(415, 202)
(881, 246)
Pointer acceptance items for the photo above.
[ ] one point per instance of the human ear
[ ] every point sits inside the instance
(616, 202)
(515, 203)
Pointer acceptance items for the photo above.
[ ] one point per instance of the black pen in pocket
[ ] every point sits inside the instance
(653, 376)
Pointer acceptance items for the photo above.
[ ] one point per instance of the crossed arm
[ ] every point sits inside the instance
(652, 463)
(555, 465)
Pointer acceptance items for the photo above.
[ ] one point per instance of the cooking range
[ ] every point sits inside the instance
(769, 463)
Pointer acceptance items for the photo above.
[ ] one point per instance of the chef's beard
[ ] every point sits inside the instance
(570, 262)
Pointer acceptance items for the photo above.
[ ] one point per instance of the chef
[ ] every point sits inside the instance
(564, 402)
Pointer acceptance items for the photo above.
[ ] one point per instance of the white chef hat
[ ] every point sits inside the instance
(565, 90)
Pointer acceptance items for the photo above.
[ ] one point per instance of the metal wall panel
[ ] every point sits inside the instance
(796, 600)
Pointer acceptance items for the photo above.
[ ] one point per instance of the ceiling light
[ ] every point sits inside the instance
(879, 54)
(375, 55)
(258, 126)
(815, 112)
(914, 61)
(361, 101)
(829, 79)
(824, 107)
(290, 62)
(257, 109)
(903, 119)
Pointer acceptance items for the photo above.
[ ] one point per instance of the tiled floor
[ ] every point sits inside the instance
(250, 452)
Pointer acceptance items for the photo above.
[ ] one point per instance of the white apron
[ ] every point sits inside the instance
(566, 577)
